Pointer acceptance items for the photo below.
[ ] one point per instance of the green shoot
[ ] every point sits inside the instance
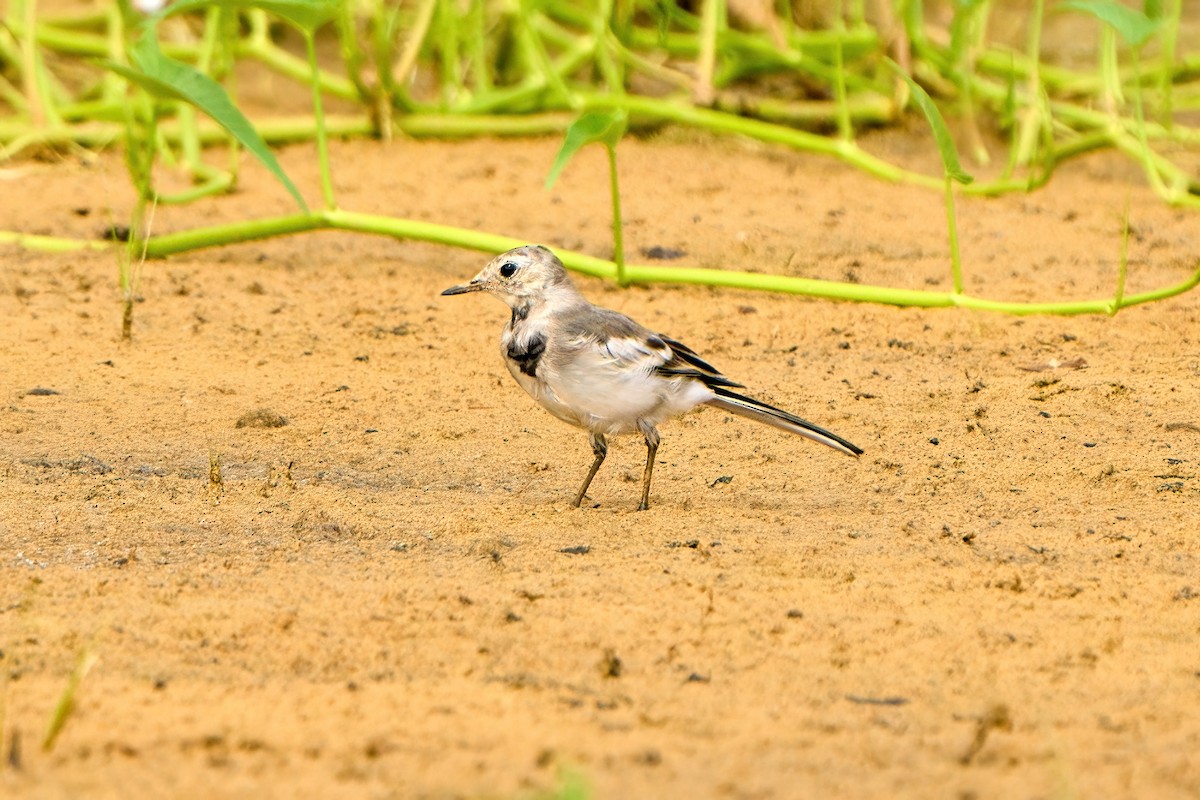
(951, 167)
(67, 700)
(607, 128)
(572, 786)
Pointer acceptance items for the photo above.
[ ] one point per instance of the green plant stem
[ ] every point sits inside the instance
(39, 99)
(446, 41)
(351, 49)
(81, 21)
(319, 120)
(609, 67)
(336, 219)
(674, 111)
(617, 226)
(534, 85)
(1034, 117)
(711, 11)
(866, 108)
(1172, 14)
(52, 244)
(1111, 97)
(9, 94)
(174, 243)
(545, 73)
(845, 129)
(639, 63)
(213, 182)
(476, 24)
(1123, 264)
(298, 69)
(17, 136)
(189, 139)
(407, 61)
(952, 224)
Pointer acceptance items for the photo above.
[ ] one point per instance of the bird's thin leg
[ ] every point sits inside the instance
(600, 448)
(651, 448)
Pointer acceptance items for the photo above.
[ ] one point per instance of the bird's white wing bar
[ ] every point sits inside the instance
(636, 352)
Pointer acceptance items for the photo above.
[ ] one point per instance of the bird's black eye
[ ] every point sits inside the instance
(508, 269)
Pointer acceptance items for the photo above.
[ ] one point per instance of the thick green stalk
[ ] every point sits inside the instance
(232, 233)
(296, 129)
(911, 298)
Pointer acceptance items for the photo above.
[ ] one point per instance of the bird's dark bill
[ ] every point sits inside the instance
(463, 288)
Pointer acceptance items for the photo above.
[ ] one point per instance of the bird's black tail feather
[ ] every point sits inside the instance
(778, 418)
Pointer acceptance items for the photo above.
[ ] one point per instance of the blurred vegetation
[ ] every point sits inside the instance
(805, 75)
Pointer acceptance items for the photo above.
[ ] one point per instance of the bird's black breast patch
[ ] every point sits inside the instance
(527, 358)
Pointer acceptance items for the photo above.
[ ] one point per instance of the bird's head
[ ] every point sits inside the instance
(521, 277)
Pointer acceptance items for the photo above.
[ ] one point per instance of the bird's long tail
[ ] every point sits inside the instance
(778, 418)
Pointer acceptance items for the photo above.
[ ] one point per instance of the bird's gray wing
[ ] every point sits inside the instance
(618, 341)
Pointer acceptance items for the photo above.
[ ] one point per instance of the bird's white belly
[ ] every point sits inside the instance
(609, 401)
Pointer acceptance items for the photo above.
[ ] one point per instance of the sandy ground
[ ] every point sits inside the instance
(390, 595)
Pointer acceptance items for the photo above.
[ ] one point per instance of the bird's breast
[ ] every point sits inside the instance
(523, 347)
(528, 354)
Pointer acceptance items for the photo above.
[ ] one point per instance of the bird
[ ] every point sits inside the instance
(599, 370)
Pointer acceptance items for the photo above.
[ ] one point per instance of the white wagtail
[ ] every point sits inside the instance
(602, 371)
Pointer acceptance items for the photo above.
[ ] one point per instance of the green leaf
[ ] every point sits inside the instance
(1133, 26)
(307, 15)
(167, 78)
(606, 127)
(941, 133)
